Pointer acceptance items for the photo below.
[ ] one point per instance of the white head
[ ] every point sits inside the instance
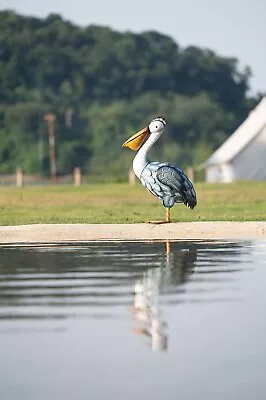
(157, 125)
(152, 132)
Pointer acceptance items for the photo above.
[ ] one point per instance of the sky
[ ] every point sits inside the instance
(233, 28)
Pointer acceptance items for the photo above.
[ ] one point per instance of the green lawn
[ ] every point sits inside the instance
(121, 203)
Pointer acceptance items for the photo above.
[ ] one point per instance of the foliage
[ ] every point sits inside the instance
(114, 83)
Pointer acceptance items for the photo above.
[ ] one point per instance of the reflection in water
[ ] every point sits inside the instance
(66, 328)
(147, 314)
(95, 280)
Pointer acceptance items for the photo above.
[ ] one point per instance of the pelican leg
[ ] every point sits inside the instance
(166, 221)
(168, 215)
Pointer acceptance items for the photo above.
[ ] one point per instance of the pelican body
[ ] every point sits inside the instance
(165, 181)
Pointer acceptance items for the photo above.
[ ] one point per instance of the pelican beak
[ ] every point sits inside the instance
(137, 140)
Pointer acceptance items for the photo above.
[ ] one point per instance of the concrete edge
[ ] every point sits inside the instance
(62, 233)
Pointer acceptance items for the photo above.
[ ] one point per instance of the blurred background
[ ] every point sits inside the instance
(77, 78)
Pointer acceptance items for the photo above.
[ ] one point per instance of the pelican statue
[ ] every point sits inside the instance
(167, 182)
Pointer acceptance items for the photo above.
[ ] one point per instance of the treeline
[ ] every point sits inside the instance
(102, 85)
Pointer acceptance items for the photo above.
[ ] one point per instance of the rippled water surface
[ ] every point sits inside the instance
(178, 320)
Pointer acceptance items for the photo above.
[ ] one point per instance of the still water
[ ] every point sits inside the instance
(133, 320)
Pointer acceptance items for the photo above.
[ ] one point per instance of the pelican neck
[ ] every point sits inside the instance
(140, 161)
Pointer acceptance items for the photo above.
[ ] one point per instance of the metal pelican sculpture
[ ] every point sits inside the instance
(167, 182)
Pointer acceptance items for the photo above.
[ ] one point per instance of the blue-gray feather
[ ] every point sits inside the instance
(169, 184)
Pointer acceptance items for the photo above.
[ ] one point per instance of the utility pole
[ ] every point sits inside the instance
(50, 119)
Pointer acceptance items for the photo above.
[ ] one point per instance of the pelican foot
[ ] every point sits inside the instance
(158, 222)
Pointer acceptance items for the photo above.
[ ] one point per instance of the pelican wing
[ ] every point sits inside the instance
(169, 184)
(178, 183)
(149, 179)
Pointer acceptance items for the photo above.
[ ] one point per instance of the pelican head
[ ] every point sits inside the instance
(155, 128)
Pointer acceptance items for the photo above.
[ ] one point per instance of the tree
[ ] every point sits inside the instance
(114, 83)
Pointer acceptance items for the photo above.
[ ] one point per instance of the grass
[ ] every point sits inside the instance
(121, 203)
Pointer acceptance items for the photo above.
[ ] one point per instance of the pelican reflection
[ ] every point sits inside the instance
(174, 270)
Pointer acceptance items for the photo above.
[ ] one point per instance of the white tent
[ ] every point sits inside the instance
(243, 155)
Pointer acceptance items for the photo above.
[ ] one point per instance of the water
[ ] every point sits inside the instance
(179, 320)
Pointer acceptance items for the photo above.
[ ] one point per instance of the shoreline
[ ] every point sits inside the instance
(65, 233)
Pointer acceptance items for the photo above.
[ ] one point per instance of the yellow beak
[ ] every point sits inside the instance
(137, 140)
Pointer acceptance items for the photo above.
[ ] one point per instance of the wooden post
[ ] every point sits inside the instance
(19, 177)
(77, 176)
(68, 118)
(50, 118)
(131, 177)
(190, 174)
